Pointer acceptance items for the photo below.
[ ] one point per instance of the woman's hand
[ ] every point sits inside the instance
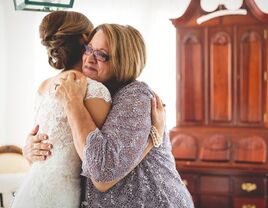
(34, 149)
(158, 114)
(71, 88)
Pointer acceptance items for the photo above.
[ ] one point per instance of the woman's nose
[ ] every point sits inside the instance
(90, 58)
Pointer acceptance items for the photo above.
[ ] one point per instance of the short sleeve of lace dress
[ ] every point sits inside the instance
(96, 89)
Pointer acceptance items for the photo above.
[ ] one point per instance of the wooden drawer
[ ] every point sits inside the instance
(190, 181)
(214, 184)
(249, 203)
(249, 186)
(210, 201)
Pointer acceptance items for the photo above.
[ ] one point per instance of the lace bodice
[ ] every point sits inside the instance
(53, 121)
(55, 182)
(51, 118)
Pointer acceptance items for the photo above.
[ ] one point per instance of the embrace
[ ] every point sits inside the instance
(100, 138)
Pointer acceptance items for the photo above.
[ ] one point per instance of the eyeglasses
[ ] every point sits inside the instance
(98, 54)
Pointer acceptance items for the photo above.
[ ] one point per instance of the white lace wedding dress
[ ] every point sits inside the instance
(55, 183)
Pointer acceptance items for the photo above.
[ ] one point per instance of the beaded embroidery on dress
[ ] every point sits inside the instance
(55, 183)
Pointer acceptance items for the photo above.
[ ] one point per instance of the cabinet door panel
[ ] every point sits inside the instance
(250, 75)
(191, 77)
(221, 74)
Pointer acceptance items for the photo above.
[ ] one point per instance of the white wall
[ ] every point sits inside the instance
(20, 33)
(3, 128)
(23, 61)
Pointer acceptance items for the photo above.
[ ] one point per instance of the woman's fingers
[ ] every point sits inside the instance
(153, 105)
(35, 130)
(35, 149)
(37, 138)
(83, 81)
(38, 158)
(40, 153)
(159, 102)
(71, 76)
(158, 114)
(41, 146)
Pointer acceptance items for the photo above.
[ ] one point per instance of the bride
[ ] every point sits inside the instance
(55, 182)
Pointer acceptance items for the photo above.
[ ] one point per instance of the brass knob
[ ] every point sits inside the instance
(248, 187)
(248, 206)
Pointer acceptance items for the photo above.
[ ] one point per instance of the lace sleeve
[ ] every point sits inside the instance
(110, 153)
(97, 90)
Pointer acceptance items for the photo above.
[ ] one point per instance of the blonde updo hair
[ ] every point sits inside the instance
(126, 49)
(61, 32)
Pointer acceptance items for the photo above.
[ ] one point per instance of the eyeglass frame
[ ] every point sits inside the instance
(98, 54)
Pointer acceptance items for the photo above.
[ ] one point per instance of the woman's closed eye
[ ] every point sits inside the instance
(100, 55)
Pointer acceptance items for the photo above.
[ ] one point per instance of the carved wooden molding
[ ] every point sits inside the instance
(251, 149)
(195, 15)
(184, 147)
(256, 10)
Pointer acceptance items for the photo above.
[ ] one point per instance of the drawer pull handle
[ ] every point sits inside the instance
(185, 182)
(248, 206)
(248, 187)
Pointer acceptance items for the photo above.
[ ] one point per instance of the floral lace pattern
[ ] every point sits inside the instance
(97, 90)
(56, 181)
(112, 152)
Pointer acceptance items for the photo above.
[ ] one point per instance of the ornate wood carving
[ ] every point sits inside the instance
(216, 148)
(251, 149)
(186, 147)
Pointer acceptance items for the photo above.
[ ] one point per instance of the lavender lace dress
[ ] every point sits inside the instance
(113, 152)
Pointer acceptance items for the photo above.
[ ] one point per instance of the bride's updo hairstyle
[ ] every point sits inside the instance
(64, 33)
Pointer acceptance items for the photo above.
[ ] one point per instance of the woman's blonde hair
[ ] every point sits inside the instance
(126, 49)
(61, 32)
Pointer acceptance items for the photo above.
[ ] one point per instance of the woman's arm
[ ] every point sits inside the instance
(98, 110)
(93, 107)
(158, 115)
(112, 152)
(92, 103)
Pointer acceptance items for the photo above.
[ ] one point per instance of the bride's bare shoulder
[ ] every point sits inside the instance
(43, 87)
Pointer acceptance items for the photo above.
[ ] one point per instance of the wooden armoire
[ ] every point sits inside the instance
(220, 141)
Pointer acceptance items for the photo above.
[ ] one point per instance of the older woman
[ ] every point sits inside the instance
(110, 156)
(56, 182)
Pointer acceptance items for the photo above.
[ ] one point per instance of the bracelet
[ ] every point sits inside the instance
(156, 138)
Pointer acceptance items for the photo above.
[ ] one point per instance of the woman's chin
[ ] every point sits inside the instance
(90, 74)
